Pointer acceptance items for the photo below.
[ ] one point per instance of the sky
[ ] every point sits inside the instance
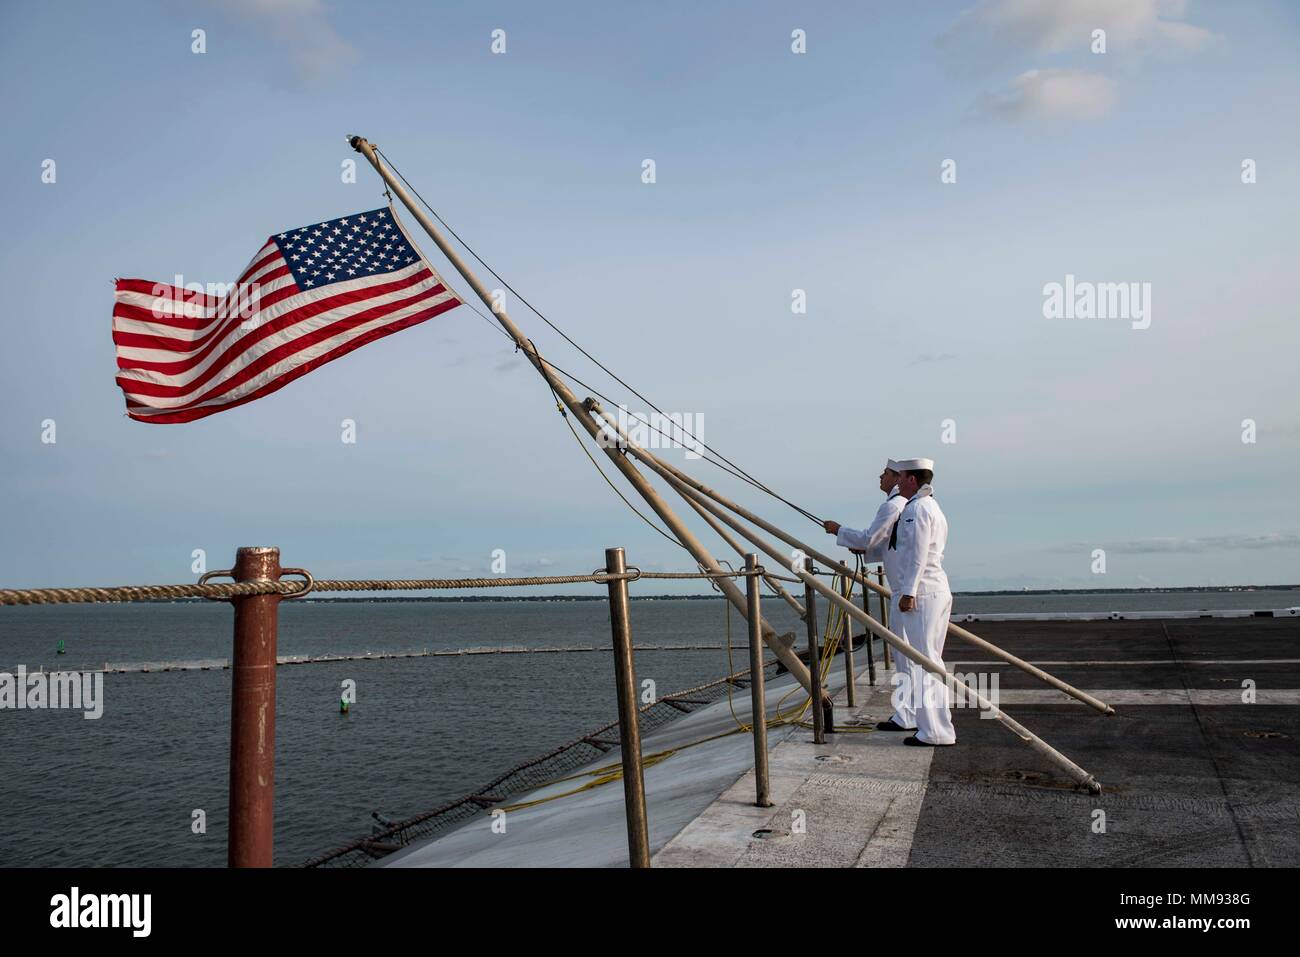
(921, 172)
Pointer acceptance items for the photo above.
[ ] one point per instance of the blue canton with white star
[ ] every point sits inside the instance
(353, 247)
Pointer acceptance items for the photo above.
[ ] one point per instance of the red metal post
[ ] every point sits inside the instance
(252, 713)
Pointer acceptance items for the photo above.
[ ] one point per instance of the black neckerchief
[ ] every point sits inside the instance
(893, 532)
(893, 529)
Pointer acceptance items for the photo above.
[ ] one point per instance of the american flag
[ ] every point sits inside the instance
(309, 296)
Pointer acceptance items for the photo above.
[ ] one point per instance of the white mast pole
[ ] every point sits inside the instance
(588, 421)
(672, 474)
(1078, 774)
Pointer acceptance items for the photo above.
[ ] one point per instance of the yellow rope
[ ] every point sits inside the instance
(731, 670)
(614, 772)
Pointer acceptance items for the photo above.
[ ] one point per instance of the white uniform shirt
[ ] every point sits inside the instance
(873, 539)
(915, 564)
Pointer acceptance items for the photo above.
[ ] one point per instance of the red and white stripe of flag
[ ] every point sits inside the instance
(183, 355)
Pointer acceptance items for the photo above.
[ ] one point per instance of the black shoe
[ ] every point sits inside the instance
(888, 725)
(916, 742)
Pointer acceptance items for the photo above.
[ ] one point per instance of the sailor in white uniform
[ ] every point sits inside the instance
(914, 563)
(871, 543)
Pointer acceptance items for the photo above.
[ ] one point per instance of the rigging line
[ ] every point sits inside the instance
(755, 482)
(593, 390)
(731, 468)
(726, 468)
(617, 491)
(565, 415)
(600, 395)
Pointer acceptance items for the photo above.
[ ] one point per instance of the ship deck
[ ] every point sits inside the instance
(1193, 774)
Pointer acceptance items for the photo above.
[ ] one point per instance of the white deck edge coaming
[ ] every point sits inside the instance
(1127, 615)
(589, 829)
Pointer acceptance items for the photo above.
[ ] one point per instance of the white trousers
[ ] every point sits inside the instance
(905, 670)
(926, 629)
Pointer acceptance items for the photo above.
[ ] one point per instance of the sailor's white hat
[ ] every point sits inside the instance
(909, 465)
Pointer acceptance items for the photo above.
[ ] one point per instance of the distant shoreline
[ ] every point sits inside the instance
(1216, 589)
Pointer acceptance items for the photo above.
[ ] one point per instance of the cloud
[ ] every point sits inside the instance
(303, 29)
(535, 566)
(1051, 95)
(1214, 543)
(935, 357)
(1289, 431)
(1004, 28)
(994, 35)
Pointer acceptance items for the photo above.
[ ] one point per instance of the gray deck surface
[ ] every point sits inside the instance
(1186, 784)
(1193, 776)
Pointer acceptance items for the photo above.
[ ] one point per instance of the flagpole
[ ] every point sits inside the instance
(584, 416)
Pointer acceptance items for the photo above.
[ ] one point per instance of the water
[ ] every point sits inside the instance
(122, 790)
(1124, 602)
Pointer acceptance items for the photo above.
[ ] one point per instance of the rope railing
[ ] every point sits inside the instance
(64, 596)
(295, 589)
(258, 589)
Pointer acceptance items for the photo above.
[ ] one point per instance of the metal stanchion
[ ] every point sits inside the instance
(252, 713)
(638, 832)
(850, 676)
(886, 651)
(867, 637)
(814, 659)
(757, 692)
